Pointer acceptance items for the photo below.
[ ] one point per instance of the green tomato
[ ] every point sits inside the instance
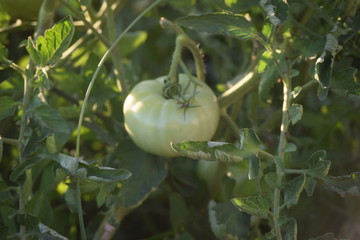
(22, 9)
(153, 122)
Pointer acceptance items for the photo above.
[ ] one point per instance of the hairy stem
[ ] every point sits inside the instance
(287, 95)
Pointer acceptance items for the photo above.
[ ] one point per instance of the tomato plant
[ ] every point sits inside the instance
(89, 149)
(154, 121)
(22, 9)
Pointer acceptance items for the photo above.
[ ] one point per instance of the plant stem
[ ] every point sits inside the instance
(176, 57)
(184, 41)
(79, 209)
(10, 141)
(281, 151)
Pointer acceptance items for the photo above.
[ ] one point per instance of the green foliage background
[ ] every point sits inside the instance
(144, 196)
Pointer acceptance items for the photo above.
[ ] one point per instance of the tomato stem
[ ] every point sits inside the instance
(182, 41)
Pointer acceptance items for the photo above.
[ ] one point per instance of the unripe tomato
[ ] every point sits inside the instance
(153, 122)
(23, 9)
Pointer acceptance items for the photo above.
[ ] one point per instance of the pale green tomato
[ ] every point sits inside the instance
(153, 122)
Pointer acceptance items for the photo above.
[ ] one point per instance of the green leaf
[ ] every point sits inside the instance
(51, 119)
(317, 164)
(34, 54)
(70, 199)
(297, 91)
(276, 11)
(265, 61)
(7, 107)
(210, 151)
(49, 48)
(1, 148)
(101, 196)
(131, 41)
(326, 236)
(20, 169)
(48, 233)
(254, 167)
(105, 174)
(267, 29)
(348, 184)
(29, 221)
(271, 179)
(324, 66)
(293, 189)
(227, 223)
(290, 147)
(291, 229)
(345, 79)
(295, 112)
(43, 78)
(233, 25)
(50, 144)
(179, 212)
(69, 163)
(3, 53)
(267, 81)
(255, 205)
(310, 184)
(147, 172)
(249, 145)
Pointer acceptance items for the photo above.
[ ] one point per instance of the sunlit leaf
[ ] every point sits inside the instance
(233, 25)
(265, 61)
(48, 48)
(254, 205)
(131, 41)
(211, 151)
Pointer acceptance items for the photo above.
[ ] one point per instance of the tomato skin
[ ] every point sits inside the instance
(152, 121)
(22, 9)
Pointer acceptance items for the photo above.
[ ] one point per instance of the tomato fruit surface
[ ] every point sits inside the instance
(153, 121)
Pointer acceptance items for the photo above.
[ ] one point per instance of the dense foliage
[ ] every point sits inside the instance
(284, 162)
